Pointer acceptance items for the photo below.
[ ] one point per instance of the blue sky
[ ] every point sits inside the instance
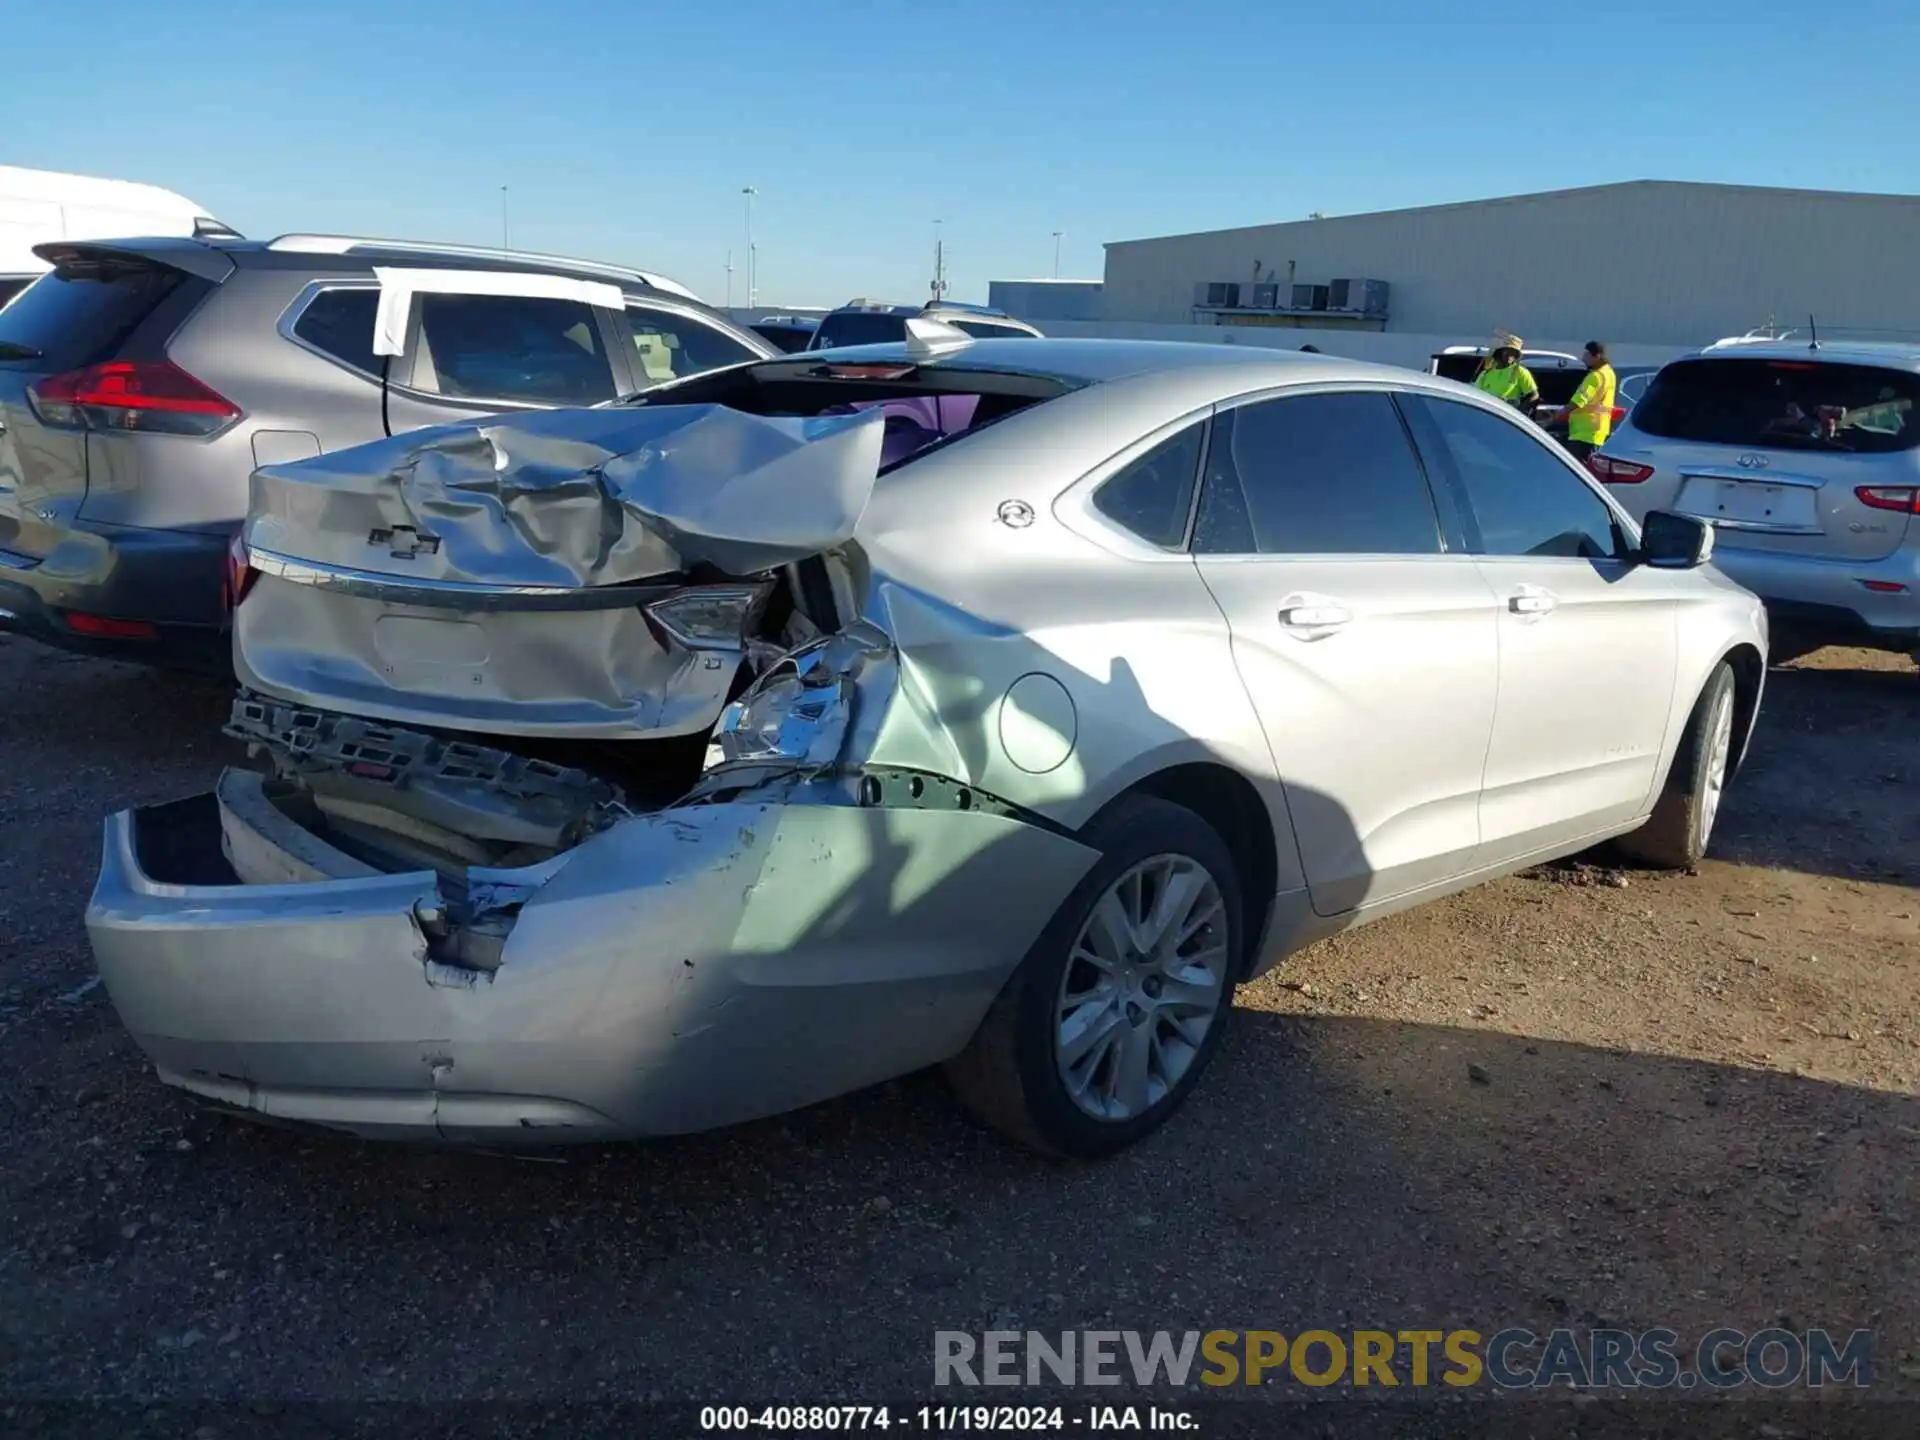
(626, 131)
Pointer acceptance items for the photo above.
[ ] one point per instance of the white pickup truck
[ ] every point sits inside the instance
(41, 205)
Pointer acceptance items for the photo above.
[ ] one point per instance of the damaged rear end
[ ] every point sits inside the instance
(555, 834)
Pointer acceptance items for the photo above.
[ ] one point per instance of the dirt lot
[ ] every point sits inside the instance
(1579, 1097)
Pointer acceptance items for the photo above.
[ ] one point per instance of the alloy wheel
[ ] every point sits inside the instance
(1143, 985)
(1719, 750)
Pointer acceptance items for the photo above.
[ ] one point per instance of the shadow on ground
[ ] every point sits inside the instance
(1331, 1173)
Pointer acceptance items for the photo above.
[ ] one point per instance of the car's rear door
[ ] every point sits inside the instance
(1586, 636)
(528, 342)
(1366, 639)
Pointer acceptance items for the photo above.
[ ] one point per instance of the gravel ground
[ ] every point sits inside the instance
(1581, 1096)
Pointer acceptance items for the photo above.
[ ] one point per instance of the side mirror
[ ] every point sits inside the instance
(1675, 542)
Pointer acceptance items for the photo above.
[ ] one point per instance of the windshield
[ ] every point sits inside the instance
(855, 327)
(1783, 404)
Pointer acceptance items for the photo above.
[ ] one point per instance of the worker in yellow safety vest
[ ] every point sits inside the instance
(1505, 378)
(1589, 414)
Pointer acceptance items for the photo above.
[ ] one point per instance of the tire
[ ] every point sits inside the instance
(1676, 834)
(1013, 1074)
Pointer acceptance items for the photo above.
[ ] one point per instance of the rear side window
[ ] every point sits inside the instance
(1523, 497)
(1783, 404)
(339, 323)
(512, 347)
(67, 319)
(1315, 475)
(669, 346)
(1152, 496)
(855, 328)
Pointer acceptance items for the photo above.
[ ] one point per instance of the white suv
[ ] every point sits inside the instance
(1806, 459)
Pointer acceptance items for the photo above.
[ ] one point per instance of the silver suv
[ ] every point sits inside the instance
(142, 381)
(1806, 458)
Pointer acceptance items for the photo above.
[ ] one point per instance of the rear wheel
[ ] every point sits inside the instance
(1120, 1005)
(1676, 834)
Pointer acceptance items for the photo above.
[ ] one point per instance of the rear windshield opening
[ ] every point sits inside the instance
(80, 313)
(924, 409)
(1783, 404)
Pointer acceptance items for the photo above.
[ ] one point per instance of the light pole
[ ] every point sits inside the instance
(505, 243)
(729, 279)
(939, 263)
(753, 256)
(1056, 253)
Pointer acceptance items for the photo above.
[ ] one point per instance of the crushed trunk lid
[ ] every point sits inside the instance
(584, 573)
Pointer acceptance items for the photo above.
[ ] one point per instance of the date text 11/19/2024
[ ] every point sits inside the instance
(942, 1419)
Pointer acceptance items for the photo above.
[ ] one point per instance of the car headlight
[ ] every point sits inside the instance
(794, 717)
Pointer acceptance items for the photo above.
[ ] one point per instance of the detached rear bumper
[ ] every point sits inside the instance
(684, 970)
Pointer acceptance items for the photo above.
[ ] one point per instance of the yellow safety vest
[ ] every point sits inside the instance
(1509, 383)
(1590, 412)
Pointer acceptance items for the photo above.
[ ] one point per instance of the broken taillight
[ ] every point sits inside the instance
(239, 575)
(708, 617)
(1617, 472)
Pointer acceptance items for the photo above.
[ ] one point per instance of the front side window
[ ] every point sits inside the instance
(1783, 404)
(1315, 475)
(512, 347)
(1152, 496)
(670, 346)
(1525, 499)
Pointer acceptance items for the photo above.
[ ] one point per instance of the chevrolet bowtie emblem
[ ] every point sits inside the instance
(404, 542)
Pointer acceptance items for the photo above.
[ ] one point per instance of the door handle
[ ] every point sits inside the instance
(1315, 617)
(1532, 601)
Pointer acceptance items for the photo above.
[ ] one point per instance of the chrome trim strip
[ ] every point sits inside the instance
(455, 594)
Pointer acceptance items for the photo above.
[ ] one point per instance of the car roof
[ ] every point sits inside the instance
(1092, 362)
(1888, 354)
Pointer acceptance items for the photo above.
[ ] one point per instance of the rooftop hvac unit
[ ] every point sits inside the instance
(1263, 296)
(1363, 297)
(1309, 297)
(1217, 294)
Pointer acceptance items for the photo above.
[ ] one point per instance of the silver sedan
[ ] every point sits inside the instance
(994, 705)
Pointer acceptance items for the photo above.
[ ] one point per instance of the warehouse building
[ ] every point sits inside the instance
(1038, 301)
(1648, 261)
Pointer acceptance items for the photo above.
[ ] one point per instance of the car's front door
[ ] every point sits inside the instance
(1587, 636)
(1366, 642)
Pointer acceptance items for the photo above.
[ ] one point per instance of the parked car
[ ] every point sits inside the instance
(1807, 462)
(42, 206)
(654, 767)
(873, 322)
(141, 381)
(786, 333)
